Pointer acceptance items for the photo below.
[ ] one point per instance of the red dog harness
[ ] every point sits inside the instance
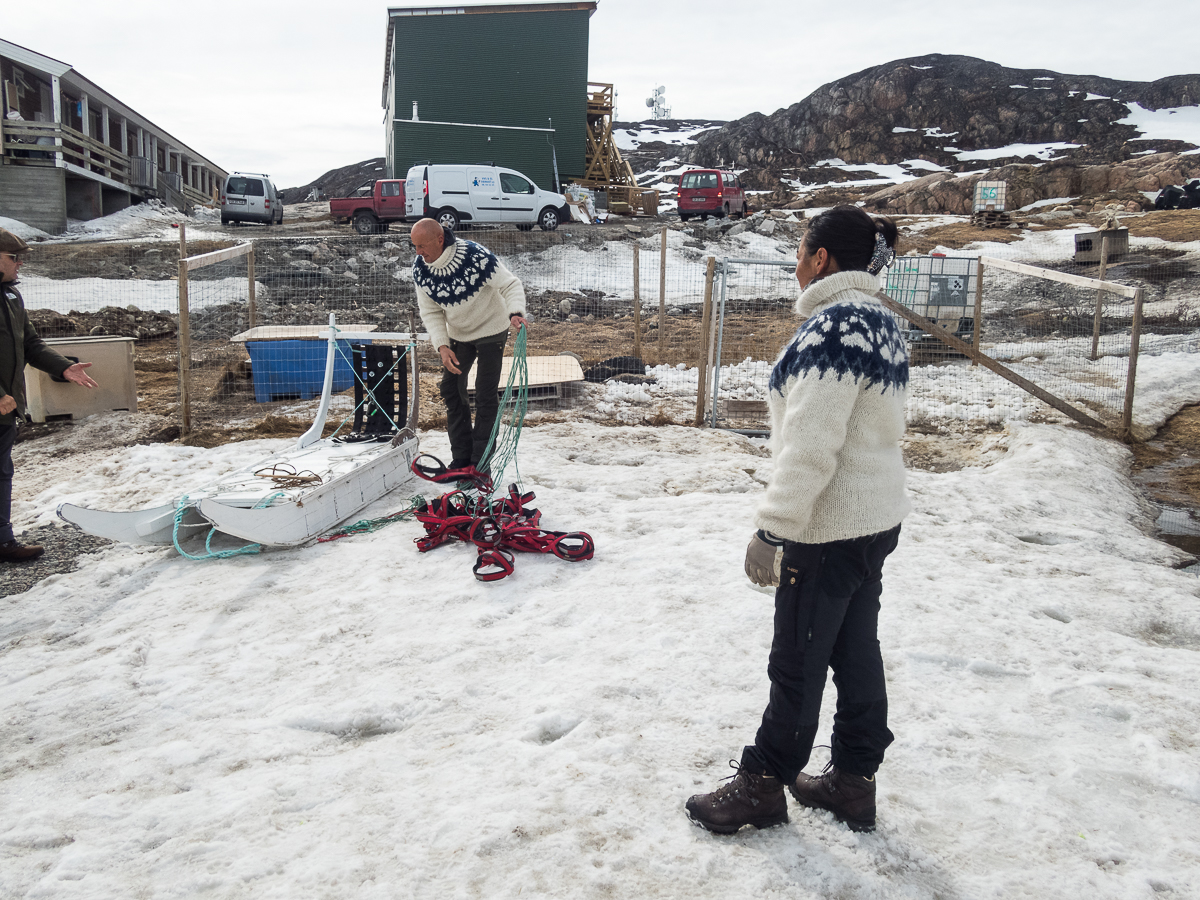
(497, 527)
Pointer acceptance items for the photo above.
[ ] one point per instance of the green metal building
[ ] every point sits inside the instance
(504, 84)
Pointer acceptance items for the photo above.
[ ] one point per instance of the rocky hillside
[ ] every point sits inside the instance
(337, 182)
(1129, 184)
(941, 109)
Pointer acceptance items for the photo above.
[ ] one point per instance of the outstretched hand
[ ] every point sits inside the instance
(76, 375)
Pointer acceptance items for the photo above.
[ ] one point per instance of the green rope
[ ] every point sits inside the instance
(209, 553)
(368, 526)
(501, 449)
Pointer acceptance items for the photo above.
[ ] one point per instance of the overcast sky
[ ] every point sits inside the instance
(293, 88)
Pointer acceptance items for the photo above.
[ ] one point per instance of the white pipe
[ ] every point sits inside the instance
(314, 432)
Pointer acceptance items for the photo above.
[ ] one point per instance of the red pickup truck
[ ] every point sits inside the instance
(372, 207)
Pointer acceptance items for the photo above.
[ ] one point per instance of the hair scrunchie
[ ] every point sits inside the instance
(882, 257)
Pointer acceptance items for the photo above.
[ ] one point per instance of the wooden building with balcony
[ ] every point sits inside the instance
(69, 149)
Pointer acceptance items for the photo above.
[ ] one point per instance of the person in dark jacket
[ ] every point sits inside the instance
(20, 345)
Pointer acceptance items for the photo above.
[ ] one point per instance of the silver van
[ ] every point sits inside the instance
(250, 197)
(484, 195)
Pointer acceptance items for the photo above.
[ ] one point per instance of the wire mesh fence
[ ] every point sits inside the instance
(620, 310)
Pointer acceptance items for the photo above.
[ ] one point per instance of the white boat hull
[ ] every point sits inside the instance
(286, 499)
(142, 526)
(293, 522)
(247, 506)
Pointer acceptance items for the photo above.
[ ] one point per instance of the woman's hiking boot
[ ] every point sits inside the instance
(851, 798)
(748, 799)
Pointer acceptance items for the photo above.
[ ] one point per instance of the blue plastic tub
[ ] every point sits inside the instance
(289, 370)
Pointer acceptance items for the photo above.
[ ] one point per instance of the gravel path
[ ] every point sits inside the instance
(63, 546)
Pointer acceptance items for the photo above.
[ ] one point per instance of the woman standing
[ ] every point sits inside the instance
(830, 517)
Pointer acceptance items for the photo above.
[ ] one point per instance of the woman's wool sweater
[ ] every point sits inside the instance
(837, 398)
(466, 294)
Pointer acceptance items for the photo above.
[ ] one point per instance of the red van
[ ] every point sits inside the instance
(710, 192)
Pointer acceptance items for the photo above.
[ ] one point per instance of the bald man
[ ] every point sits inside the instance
(468, 301)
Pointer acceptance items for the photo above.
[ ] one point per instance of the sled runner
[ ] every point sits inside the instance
(295, 495)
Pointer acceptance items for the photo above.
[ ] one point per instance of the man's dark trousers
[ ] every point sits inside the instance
(8, 436)
(826, 617)
(468, 442)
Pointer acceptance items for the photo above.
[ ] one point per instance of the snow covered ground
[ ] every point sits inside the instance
(354, 719)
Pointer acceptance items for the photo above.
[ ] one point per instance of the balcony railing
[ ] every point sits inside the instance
(39, 143)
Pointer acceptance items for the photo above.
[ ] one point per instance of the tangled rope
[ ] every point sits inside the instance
(497, 527)
(284, 475)
(181, 508)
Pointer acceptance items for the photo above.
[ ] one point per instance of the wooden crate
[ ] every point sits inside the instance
(547, 375)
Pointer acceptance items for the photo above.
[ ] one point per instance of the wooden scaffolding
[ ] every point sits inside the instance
(604, 169)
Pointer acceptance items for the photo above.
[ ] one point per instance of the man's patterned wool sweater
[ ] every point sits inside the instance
(837, 415)
(466, 294)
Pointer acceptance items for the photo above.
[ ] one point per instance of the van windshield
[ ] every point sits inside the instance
(697, 180)
(246, 187)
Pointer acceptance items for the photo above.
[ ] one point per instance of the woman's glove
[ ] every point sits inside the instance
(763, 556)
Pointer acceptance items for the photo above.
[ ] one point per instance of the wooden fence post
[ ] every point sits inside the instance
(251, 311)
(662, 300)
(1099, 318)
(637, 302)
(1135, 340)
(978, 307)
(185, 339)
(705, 323)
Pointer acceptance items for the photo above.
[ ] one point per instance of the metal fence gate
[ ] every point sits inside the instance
(989, 340)
(754, 320)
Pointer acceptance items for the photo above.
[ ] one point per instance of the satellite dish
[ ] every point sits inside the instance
(659, 104)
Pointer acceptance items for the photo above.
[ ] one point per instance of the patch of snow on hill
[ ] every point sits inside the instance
(1041, 151)
(646, 132)
(1178, 124)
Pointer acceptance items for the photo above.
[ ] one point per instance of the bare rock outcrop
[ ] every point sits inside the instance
(937, 106)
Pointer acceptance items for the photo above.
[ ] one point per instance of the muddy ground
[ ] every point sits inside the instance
(1167, 467)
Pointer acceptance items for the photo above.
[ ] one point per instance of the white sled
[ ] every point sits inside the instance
(263, 503)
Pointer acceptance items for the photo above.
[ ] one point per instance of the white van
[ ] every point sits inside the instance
(484, 195)
(250, 197)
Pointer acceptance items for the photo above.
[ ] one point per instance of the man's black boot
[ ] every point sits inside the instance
(851, 798)
(747, 799)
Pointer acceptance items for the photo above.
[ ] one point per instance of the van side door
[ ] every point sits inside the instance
(518, 197)
(485, 194)
(448, 187)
